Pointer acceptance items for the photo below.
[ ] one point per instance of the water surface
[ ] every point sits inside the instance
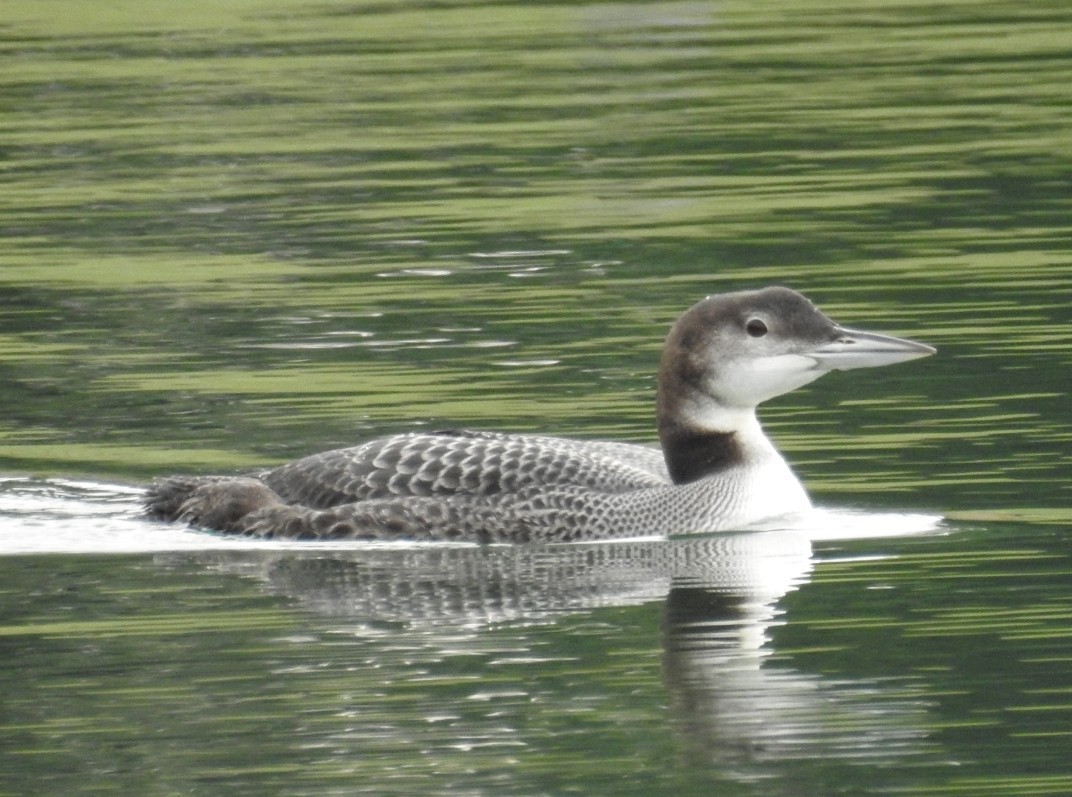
(234, 234)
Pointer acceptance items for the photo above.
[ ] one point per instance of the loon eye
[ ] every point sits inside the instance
(756, 328)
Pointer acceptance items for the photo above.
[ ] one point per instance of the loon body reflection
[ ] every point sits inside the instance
(716, 471)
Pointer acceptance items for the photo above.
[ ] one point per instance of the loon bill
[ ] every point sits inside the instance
(717, 470)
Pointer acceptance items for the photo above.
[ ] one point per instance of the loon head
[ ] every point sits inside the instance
(730, 352)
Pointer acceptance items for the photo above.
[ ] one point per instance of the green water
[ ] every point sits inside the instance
(235, 233)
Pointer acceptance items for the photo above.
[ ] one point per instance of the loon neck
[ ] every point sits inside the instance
(692, 454)
(696, 446)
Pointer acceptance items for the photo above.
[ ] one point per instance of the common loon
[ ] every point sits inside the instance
(716, 471)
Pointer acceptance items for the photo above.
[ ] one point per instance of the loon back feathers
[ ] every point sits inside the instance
(717, 470)
(458, 461)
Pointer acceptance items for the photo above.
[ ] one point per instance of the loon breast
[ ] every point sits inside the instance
(715, 468)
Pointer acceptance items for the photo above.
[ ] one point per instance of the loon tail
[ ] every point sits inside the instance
(209, 502)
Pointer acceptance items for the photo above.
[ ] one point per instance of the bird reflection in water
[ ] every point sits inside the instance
(721, 597)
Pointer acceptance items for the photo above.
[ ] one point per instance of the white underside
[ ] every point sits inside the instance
(763, 487)
(770, 490)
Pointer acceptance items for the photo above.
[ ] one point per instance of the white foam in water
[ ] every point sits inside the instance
(68, 516)
(830, 523)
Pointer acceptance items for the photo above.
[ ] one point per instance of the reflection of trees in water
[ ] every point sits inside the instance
(720, 593)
